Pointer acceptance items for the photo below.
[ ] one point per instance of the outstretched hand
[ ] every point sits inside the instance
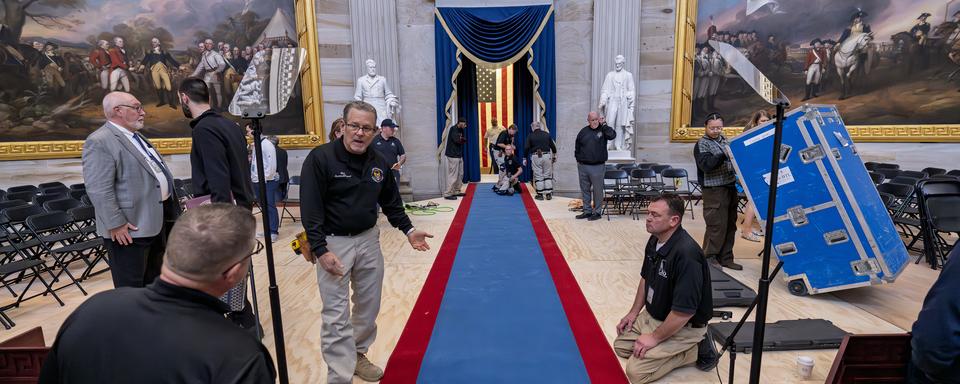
(418, 239)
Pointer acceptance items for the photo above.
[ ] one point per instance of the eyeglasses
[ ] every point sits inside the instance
(366, 129)
(138, 108)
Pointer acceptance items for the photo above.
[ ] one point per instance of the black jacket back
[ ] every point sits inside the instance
(218, 160)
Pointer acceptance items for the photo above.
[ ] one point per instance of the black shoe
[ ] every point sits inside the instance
(594, 217)
(508, 193)
(460, 194)
(549, 196)
(450, 197)
(584, 215)
(707, 356)
(733, 266)
(538, 197)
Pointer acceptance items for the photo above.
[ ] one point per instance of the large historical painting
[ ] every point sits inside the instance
(60, 57)
(892, 67)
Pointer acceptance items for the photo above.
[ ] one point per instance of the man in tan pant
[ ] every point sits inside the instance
(676, 291)
(341, 184)
(456, 137)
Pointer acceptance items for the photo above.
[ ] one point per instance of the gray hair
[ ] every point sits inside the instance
(208, 240)
(117, 39)
(111, 101)
(359, 105)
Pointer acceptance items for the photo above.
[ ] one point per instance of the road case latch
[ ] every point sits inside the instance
(811, 154)
(836, 237)
(865, 267)
(836, 153)
(786, 249)
(785, 152)
(798, 216)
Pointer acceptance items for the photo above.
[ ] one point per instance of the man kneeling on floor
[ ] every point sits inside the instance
(510, 171)
(676, 291)
(174, 330)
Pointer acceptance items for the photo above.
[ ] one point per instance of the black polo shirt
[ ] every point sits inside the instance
(390, 148)
(677, 278)
(159, 334)
(455, 140)
(510, 165)
(340, 191)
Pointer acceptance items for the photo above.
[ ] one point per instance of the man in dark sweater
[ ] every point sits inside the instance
(590, 151)
(456, 137)
(936, 333)
(219, 165)
(543, 153)
(172, 331)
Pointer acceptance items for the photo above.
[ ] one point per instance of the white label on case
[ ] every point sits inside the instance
(750, 141)
(786, 177)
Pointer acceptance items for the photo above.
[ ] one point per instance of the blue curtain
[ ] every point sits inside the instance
(496, 35)
(467, 107)
(522, 107)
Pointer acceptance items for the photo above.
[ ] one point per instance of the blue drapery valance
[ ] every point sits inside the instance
(495, 37)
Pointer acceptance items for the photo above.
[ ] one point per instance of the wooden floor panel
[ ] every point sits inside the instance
(605, 256)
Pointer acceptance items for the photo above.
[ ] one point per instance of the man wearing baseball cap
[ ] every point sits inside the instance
(390, 147)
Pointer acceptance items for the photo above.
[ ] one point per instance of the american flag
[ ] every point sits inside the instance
(495, 101)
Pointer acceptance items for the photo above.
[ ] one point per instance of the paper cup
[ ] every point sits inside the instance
(805, 366)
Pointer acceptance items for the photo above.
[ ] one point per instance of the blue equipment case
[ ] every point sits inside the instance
(831, 230)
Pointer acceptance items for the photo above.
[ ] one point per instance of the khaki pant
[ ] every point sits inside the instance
(505, 185)
(118, 77)
(454, 176)
(720, 214)
(343, 334)
(161, 78)
(675, 352)
(542, 167)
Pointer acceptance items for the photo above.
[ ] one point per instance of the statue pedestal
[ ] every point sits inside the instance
(614, 156)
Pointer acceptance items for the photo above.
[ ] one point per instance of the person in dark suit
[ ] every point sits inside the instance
(132, 192)
(218, 160)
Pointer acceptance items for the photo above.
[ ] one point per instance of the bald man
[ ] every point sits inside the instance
(132, 192)
(590, 151)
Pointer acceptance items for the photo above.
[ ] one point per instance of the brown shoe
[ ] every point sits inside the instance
(366, 370)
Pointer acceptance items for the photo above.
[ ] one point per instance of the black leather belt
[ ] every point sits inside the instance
(694, 325)
(344, 234)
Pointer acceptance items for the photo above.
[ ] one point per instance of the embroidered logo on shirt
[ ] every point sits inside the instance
(342, 175)
(377, 174)
(662, 272)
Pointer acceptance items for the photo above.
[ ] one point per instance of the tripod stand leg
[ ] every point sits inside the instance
(256, 307)
(733, 364)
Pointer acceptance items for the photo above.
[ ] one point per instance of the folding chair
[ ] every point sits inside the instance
(888, 166)
(643, 193)
(680, 174)
(646, 165)
(23, 188)
(23, 195)
(51, 185)
(21, 264)
(888, 173)
(64, 245)
(660, 185)
(905, 180)
(877, 178)
(955, 172)
(3, 195)
(61, 205)
(78, 194)
(909, 224)
(939, 202)
(284, 212)
(932, 171)
(74, 187)
(54, 189)
(614, 193)
(84, 220)
(43, 198)
(85, 199)
(914, 174)
(15, 225)
(12, 203)
(870, 165)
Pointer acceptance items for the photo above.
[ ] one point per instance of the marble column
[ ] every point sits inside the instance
(616, 31)
(373, 26)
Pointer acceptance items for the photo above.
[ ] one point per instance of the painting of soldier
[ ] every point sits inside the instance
(882, 62)
(58, 58)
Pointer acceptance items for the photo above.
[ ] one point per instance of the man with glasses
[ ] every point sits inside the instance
(172, 331)
(342, 182)
(132, 192)
(716, 174)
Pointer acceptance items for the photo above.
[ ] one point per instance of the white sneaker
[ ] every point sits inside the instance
(274, 237)
(259, 235)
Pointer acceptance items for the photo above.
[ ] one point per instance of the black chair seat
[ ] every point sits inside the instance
(78, 246)
(86, 230)
(52, 238)
(19, 265)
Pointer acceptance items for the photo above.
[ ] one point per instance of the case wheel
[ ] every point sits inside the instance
(797, 288)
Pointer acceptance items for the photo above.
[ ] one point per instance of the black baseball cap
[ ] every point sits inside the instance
(389, 123)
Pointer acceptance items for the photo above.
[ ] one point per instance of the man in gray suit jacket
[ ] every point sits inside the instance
(132, 192)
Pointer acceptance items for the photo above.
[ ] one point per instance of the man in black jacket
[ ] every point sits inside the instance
(591, 153)
(342, 183)
(172, 331)
(456, 137)
(543, 153)
(219, 165)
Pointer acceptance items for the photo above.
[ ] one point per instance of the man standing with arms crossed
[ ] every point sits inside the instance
(342, 182)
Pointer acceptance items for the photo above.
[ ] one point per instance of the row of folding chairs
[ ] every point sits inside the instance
(904, 198)
(40, 244)
(629, 188)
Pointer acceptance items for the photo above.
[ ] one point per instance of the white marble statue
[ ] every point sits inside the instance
(617, 98)
(374, 89)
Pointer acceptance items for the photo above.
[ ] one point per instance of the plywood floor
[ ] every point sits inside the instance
(605, 257)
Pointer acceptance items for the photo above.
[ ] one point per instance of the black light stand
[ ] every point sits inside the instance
(763, 290)
(255, 118)
(729, 343)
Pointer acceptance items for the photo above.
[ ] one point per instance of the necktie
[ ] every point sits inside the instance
(156, 161)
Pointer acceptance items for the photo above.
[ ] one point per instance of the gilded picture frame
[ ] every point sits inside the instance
(683, 129)
(310, 84)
